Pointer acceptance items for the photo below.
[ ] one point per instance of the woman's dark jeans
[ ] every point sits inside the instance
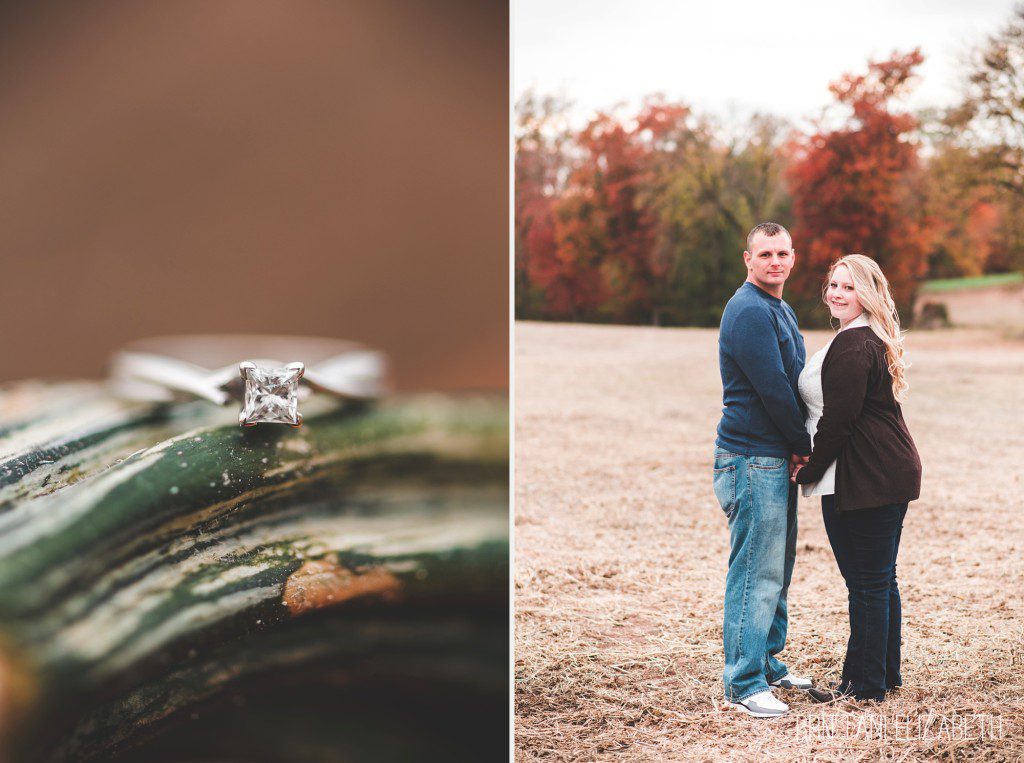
(865, 543)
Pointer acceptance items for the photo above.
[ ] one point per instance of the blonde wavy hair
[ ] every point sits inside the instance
(875, 297)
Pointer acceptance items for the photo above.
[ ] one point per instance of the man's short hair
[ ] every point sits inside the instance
(768, 229)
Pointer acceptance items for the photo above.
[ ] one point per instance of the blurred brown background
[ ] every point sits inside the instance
(330, 168)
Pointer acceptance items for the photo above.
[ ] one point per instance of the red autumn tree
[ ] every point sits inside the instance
(604, 231)
(541, 286)
(856, 188)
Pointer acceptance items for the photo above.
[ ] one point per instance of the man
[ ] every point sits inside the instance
(761, 354)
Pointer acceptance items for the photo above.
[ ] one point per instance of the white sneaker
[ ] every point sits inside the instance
(789, 681)
(761, 705)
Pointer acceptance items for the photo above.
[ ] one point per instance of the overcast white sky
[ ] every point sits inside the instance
(733, 58)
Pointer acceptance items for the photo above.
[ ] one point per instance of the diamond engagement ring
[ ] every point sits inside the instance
(261, 372)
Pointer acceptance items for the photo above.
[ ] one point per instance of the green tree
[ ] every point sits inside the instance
(707, 194)
(991, 116)
(987, 129)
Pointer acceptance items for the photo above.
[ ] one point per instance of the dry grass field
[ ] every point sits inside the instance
(621, 551)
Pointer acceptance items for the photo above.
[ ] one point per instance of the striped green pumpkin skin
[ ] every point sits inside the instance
(158, 535)
(405, 655)
(52, 435)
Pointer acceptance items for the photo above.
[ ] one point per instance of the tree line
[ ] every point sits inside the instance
(641, 218)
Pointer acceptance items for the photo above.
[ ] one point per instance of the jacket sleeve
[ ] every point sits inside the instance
(844, 384)
(755, 347)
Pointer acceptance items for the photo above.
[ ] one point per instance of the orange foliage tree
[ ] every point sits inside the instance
(857, 187)
(969, 214)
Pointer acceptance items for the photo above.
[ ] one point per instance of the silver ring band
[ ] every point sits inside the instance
(269, 374)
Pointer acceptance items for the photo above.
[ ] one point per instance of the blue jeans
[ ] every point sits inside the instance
(865, 543)
(760, 502)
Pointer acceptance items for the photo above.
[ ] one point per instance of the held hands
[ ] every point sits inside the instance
(796, 463)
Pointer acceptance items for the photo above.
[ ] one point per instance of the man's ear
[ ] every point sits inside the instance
(746, 258)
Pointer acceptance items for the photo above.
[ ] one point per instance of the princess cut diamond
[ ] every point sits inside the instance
(271, 394)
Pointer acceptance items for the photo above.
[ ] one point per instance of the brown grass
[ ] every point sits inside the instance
(621, 549)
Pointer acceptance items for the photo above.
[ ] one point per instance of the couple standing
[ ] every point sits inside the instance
(863, 464)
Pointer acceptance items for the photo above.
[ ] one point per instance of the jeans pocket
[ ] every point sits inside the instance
(725, 489)
(767, 463)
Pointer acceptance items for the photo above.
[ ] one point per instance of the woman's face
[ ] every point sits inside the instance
(840, 296)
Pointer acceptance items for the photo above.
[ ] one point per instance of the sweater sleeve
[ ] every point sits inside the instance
(844, 384)
(755, 347)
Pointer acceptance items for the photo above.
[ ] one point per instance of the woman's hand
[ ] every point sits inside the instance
(794, 470)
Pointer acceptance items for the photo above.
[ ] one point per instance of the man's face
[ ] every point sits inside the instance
(769, 261)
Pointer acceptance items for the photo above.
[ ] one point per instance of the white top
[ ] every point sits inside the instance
(809, 385)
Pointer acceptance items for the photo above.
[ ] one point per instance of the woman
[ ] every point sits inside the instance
(864, 465)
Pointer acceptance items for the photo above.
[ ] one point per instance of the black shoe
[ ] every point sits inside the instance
(835, 694)
(825, 696)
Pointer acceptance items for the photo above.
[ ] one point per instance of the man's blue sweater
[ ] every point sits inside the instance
(761, 355)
